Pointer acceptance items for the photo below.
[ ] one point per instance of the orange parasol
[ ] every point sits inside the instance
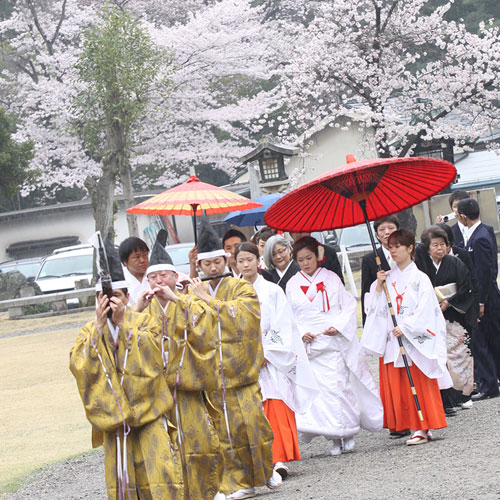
(192, 198)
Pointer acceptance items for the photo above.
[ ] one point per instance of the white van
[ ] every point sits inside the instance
(60, 270)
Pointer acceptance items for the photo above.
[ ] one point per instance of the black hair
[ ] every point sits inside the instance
(129, 245)
(433, 232)
(390, 218)
(249, 247)
(405, 238)
(124, 290)
(448, 231)
(305, 242)
(233, 233)
(469, 207)
(458, 195)
(265, 234)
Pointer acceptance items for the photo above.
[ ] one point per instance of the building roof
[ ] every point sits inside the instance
(478, 168)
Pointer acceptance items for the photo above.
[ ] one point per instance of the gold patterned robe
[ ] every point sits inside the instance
(124, 392)
(202, 455)
(248, 444)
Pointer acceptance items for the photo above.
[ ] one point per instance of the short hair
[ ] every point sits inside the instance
(305, 242)
(129, 245)
(403, 237)
(233, 233)
(124, 290)
(265, 234)
(249, 247)
(469, 207)
(390, 218)
(448, 231)
(432, 232)
(269, 249)
(458, 195)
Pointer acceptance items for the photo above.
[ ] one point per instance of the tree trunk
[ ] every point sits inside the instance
(102, 195)
(128, 192)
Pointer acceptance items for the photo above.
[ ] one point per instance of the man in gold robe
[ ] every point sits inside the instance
(244, 431)
(119, 370)
(192, 369)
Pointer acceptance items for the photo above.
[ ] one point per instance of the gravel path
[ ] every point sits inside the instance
(462, 462)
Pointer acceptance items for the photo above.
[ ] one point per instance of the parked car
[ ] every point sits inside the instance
(180, 255)
(28, 267)
(356, 241)
(60, 270)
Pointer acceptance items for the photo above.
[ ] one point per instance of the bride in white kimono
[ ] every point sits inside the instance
(286, 379)
(325, 314)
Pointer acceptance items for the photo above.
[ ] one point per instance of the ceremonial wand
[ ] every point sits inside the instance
(104, 273)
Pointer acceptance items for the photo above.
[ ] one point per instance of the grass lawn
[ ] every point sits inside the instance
(42, 418)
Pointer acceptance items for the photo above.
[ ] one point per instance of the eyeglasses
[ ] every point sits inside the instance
(283, 251)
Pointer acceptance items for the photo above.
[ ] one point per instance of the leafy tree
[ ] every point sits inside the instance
(118, 73)
(14, 159)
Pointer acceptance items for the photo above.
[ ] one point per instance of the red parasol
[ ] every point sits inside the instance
(358, 192)
(386, 185)
(192, 198)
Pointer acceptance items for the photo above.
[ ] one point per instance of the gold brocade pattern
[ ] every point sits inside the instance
(248, 462)
(201, 452)
(141, 399)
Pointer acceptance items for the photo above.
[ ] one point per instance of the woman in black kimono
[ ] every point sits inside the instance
(278, 259)
(454, 289)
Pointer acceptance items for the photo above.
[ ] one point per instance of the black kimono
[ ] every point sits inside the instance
(293, 268)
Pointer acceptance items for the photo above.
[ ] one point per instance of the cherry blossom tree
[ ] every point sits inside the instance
(391, 69)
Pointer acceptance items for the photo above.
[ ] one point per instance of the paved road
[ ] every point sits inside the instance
(463, 462)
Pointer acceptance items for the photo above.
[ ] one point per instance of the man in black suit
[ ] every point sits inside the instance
(486, 337)
(383, 229)
(460, 229)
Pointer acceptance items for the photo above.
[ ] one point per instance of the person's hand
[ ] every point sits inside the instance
(481, 310)
(439, 218)
(165, 292)
(397, 332)
(444, 305)
(199, 289)
(331, 331)
(193, 255)
(381, 277)
(308, 337)
(118, 309)
(144, 300)
(101, 312)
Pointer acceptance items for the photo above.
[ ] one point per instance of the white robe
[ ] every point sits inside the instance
(287, 374)
(419, 317)
(349, 397)
(134, 286)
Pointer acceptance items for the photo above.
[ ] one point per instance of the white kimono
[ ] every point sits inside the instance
(287, 374)
(134, 286)
(418, 315)
(349, 397)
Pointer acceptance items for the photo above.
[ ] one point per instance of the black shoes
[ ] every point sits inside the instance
(484, 395)
(450, 412)
(397, 435)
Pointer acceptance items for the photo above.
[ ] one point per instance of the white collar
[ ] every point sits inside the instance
(282, 273)
(472, 229)
(436, 265)
(213, 291)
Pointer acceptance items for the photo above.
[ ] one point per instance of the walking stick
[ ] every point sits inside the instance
(362, 204)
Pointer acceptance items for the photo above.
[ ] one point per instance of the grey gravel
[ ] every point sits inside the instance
(462, 462)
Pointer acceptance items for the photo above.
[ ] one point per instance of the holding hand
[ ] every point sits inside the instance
(397, 332)
(118, 308)
(308, 337)
(144, 299)
(199, 289)
(444, 305)
(381, 277)
(101, 312)
(165, 292)
(331, 331)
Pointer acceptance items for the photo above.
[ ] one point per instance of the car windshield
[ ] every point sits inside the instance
(74, 265)
(179, 255)
(29, 269)
(355, 236)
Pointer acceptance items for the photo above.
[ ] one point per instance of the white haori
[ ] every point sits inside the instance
(287, 375)
(418, 315)
(135, 287)
(349, 397)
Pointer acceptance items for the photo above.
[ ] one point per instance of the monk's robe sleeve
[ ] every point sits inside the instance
(94, 369)
(236, 311)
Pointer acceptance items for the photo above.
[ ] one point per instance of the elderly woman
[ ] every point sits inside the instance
(453, 284)
(278, 259)
(325, 314)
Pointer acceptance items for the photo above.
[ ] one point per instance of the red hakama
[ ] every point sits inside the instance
(282, 420)
(400, 412)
